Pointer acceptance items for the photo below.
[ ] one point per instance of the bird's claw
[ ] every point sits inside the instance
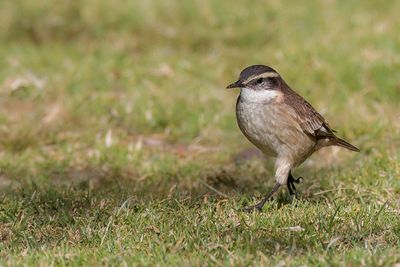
(253, 208)
(291, 187)
(299, 180)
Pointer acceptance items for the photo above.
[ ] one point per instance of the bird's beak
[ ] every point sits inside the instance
(237, 84)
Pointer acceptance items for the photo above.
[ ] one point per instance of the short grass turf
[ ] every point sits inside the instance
(119, 146)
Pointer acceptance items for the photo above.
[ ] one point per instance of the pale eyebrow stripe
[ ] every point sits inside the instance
(262, 75)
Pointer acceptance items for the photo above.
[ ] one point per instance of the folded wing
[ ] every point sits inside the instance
(311, 122)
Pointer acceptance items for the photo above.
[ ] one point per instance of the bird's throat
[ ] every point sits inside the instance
(259, 96)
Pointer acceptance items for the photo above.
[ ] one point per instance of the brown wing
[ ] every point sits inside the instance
(310, 120)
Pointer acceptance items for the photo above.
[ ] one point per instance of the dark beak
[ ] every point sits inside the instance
(237, 84)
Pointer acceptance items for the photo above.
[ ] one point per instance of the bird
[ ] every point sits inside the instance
(280, 123)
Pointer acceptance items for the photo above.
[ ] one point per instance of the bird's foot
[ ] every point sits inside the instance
(298, 180)
(259, 206)
(253, 208)
(292, 188)
(294, 197)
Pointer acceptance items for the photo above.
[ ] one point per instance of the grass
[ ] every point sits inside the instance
(119, 146)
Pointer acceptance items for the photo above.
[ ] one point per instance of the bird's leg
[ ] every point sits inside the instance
(261, 204)
(290, 184)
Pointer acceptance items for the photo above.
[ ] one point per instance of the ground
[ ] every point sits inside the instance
(119, 145)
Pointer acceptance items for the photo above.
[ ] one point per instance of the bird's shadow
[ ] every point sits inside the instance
(242, 179)
(68, 193)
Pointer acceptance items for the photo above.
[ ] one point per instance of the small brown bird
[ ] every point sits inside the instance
(280, 123)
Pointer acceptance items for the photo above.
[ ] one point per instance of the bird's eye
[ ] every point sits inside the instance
(259, 81)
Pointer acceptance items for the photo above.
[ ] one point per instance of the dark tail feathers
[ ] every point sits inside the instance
(340, 142)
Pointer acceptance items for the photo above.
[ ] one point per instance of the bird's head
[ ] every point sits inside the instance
(257, 77)
(258, 83)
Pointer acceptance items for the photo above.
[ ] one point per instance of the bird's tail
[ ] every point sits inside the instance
(340, 142)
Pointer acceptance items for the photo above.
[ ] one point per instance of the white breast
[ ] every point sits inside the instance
(271, 125)
(256, 120)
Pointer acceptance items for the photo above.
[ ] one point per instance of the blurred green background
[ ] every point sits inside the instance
(110, 102)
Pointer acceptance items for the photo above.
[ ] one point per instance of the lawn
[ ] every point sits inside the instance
(119, 143)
